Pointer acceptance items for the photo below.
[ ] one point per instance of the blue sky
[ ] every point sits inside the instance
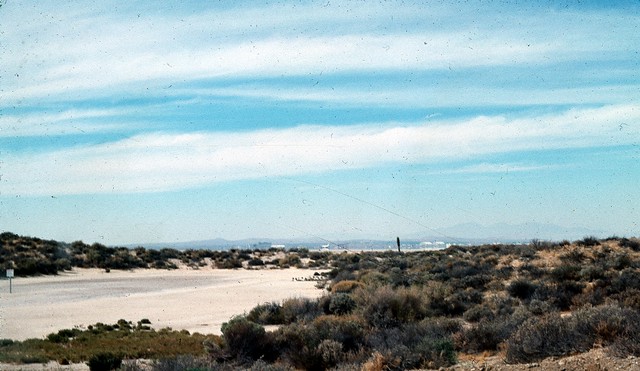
(125, 122)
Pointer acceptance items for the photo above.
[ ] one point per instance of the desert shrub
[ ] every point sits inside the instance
(631, 244)
(375, 279)
(477, 281)
(458, 302)
(484, 335)
(57, 338)
(575, 255)
(387, 307)
(590, 297)
(564, 294)
(501, 305)
(488, 334)
(297, 345)
(566, 272)
(315, 346)
(290, 260)
(623, 261)
(124, 324)
(183, 362)
(244, 339)
(346, 286)
(521, 289)
(629, 298)
(588, 241)
(416, 345)
(436, 353)
(255, 262)
(543, 337)
(231, 263)
(539, 307)
(560, 295)
(625, 279)
(244, 255)
(477, 313)
(605, 323)
(341, 304)
(592, 273)
(300, 309)
(104, 362)
(628, 343)
(553, 335)
(349, 330)
(33, 358)
(267, 314)
(261, 365)
(338, 275)
(330, 352)
(531, 271)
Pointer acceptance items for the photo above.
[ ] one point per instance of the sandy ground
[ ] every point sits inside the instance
(195, 300)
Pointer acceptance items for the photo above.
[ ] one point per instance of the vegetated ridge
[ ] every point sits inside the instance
(33, 256)
(455, 308)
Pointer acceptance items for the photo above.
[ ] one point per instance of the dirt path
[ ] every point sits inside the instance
(195, 300)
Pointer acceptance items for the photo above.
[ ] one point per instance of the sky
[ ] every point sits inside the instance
(143, 121)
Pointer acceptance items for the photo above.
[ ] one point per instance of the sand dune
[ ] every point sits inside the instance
(195, 300)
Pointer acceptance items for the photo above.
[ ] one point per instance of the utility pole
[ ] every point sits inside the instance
(398, 242)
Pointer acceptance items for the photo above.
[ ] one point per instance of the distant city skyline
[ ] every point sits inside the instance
(157, 122)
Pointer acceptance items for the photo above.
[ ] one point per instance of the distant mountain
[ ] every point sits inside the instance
(503, 232)
(467, 233)
(220, 243)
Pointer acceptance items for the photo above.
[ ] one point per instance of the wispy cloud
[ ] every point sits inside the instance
(136, 48)
(488, 167)
(71, 121)
(161, 162)
(419, 96)
(119, 66)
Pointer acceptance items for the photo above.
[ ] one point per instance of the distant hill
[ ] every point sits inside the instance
(502, 232)
(462, 234)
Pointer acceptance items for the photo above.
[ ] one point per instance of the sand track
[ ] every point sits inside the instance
(195, 300)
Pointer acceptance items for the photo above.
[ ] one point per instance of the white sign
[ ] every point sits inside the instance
(9, 273)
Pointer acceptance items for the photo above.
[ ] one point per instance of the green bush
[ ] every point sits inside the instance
(341, 304)
(244, 340)
(425, 344)
(477, 313)
(267, 314)
(300, 309)
(521, 289)
(104, 362)
(386, 307)
(255, 262)
(544, 337)
(589, 241)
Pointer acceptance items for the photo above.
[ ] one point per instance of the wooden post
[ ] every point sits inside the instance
(10, 277)
(398, 242)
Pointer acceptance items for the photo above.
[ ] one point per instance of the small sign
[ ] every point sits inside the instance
(9, 273)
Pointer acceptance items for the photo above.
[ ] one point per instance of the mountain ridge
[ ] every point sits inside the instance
(464, 233)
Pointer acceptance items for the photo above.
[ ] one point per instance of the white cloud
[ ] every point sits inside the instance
(425, 96)
(71, 121)
(161, 162)
(68, 51)
(487, 167)
(120, 65)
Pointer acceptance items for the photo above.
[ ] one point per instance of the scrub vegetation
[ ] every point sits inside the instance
(419, 309)
(30, 256)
